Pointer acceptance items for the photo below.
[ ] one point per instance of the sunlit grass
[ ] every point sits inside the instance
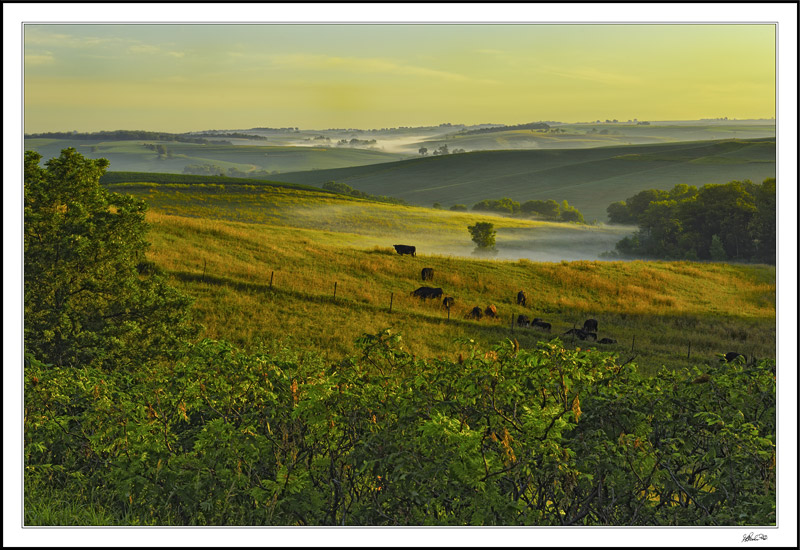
(664, 306)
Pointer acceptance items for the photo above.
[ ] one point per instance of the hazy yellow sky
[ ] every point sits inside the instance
(195, 77)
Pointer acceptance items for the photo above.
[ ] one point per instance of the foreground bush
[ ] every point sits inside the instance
(545, 436)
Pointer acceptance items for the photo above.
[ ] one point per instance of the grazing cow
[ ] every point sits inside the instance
(541, 324)
(732, 355)
(476, 313)
(582, 334)
(428, 292)
(607, 341)
(590, 325)
(491, 311)
(521, 298)
(427, 273)
(405, 249)
(448, 302)
(523, 321)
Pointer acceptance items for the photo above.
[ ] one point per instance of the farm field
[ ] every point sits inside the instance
(587, 135)
(589, 179)
(264, 266)
(133, 155)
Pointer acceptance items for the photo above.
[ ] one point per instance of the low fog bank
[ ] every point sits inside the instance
(541, 244)
(448, 234)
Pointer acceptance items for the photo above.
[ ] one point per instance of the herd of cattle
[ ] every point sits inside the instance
(588, 332)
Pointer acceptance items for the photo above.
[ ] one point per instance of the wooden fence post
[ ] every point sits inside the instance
(270, 279)
(334, 289)
(689, 353)
(633, 343)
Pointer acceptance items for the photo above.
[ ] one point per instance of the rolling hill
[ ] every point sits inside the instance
(589, 178)
(135, 155)
(583, 135)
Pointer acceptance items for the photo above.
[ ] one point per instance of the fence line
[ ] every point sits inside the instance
(391, 305)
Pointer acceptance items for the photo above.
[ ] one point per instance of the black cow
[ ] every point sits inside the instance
(427, 273)
(405, 249)
(491, 311)
(476, 313)
(521, 298)
(582, 334)
(428, 292)
(590, 325)
(448, 302)
(541, 324)
(523, 321)
(732, 355)
(607, 341)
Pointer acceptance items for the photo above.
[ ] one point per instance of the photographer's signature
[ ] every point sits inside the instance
(751, 537)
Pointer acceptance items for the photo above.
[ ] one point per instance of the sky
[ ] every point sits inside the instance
(185, 77)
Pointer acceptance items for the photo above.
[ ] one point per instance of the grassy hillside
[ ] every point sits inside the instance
(134, 156)
(271, 283)
(263, 263)
(370, 223)
(590, 179)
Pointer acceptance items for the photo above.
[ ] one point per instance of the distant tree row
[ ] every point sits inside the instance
(159, 148)
(234, 135)
(217, 170)
(732, 221)
(441, 150)
(355, 142)
(345, 189)
(122, 135)
(528, 126)
(547, 210)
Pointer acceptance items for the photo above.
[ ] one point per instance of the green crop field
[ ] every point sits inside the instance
(590, 179)
(264, 263)
(583, 135)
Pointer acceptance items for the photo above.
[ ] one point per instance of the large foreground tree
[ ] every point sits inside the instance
(91, 296)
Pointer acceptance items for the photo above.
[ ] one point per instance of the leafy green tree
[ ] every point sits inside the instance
(548, 209)
(423, 151)
(570, 213)
(502, 206)
(639, 202)
(91, 296)
(437, 206)
(716, 250)
(618, 212)
(483, 234)
(459, 208)
(763, 227)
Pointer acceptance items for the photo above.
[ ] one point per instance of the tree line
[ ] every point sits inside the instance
(546, 210)
(121, 135)
(345, 189)
(732, 221)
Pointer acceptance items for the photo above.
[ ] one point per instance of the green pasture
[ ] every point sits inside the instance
(264, 263)
(589, 179)
(267, 282)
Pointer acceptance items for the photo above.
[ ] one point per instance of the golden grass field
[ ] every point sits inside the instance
(306, 243)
